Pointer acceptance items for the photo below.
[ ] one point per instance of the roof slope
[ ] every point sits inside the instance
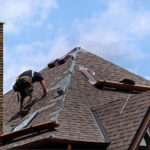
(122, 126)
(73, 109)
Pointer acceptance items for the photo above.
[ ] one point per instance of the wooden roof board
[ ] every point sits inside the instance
(121, 86)
(36, 128)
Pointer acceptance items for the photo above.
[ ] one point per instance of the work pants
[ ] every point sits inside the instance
(26, 95)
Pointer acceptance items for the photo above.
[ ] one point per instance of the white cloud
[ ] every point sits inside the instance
(61, 46)
(117, 31)
(141, 25)
(17, 13)
(24, 48)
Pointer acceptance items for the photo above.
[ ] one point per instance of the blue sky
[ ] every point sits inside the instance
(37, 31)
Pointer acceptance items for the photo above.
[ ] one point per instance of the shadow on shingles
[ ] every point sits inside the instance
(117, 90)
(32, 103)
(15, 116)
(18, 114)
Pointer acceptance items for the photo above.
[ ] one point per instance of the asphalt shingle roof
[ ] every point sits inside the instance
(76, 119)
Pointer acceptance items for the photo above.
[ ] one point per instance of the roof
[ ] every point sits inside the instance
(82, 108)
(119, 125)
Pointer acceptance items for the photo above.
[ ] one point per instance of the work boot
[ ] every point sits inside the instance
(24, 111)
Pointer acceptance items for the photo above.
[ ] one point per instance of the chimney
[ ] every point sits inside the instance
(1, 76)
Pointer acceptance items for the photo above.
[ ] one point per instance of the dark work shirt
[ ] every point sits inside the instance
(37, 77)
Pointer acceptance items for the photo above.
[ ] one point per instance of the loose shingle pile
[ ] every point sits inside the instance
(71, 100)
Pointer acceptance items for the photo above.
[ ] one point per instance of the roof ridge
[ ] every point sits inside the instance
(65, 82)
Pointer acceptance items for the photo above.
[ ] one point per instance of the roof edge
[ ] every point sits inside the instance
(61, 141)
(141, 130)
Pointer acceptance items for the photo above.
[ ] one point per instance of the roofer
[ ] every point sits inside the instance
(24, 85)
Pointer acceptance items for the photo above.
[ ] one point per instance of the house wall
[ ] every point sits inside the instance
(1, 75)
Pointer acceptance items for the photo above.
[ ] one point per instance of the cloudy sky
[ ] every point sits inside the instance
(37, 31)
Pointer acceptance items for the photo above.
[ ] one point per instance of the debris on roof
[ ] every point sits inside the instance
(125, 84)
(86, 71)
(53, 63)
(60, 91)
(125, 104)
(127, 81)
(59, 61)
(63, 59)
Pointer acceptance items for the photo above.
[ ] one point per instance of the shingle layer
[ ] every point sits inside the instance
(76, 120)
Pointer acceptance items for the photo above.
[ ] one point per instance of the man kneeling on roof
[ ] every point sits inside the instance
(24, 85)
